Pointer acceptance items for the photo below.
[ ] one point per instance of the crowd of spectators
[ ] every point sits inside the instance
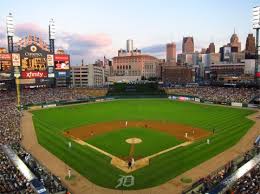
(9, 123)
(250, 183)
(51, 182)
(218, 94)
(12, 181)
(246, 185)
(29, 96)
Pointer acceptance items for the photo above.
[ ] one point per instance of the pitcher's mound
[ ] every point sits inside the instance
(133, 140)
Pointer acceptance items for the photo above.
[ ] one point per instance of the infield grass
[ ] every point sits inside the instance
(152, 142)
(230, 124)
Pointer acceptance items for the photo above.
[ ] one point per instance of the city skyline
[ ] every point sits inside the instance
(95, 29)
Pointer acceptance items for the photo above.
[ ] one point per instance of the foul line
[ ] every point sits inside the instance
(121, 164)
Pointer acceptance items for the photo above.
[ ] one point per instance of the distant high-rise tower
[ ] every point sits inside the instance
(129, 45)
(211, 48)
(171, 53)
(250, 47)
(188, 45)
(234, 43)
(129, 49)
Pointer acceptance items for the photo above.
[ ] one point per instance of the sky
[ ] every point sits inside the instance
(91, 29)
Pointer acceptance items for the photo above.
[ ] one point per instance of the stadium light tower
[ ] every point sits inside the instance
(256, 26)
(52, 32)
(10, 32)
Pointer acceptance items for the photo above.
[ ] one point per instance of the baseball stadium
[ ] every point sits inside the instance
(134, 124)
(96, 140)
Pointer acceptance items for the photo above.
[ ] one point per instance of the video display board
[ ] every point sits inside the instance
(62, 62)
(34, 62)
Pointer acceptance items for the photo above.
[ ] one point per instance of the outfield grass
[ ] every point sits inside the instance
(230, 124)
(152, 142)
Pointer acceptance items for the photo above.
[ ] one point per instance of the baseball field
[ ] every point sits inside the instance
(171, 137)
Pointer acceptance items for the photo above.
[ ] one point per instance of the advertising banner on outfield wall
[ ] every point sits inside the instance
(237, 104)
(197, 100)
(49, 105)
(252, 106)
(181, 98)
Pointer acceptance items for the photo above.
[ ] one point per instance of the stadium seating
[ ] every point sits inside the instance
(12, 181)
(217, 94)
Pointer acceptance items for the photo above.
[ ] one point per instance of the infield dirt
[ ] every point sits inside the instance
(177, 130)
(83, 185)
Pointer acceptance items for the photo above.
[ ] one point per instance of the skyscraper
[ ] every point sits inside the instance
(129, 45)
(234, 43)
(171, 53)
(250, 47)
(211, 48)
(187, 45)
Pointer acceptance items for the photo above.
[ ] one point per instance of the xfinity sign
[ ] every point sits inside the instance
(34, 74)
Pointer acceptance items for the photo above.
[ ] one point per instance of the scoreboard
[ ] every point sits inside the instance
(35, 66)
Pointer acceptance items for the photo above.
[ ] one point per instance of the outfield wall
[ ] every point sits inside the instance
(196, 99)
(108, 98)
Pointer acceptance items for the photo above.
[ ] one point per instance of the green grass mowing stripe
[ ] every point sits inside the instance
(59, 139)
(201, 152)
(220, 119)
(219, 141)
(77, 157)
(114, 142)
(186, 159)
(49, 138)
(187, 113)
(48, 124)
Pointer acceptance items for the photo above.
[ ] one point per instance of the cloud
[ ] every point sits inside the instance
(84, 46)
(154, 49)
(2, 39)
(25, 29)
(159, 50)
(80, 46)
(87, 46)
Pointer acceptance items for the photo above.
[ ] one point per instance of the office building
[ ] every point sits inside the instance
(188, 45)
(171, 54)
(250, 47)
